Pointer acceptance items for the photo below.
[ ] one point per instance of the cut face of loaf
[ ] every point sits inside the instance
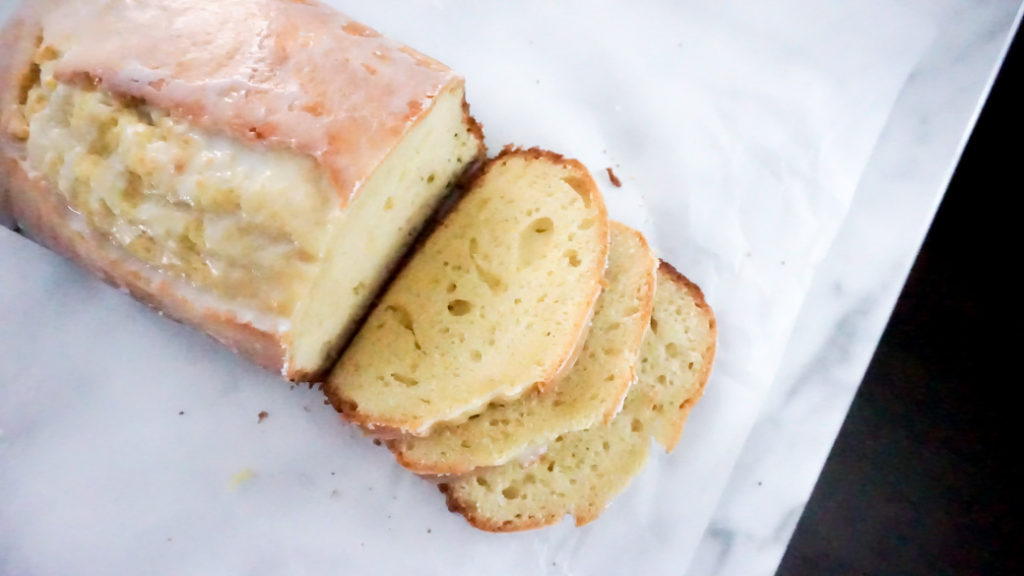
(256, 169)
(582, 471)
(592, 392)
(496, 303)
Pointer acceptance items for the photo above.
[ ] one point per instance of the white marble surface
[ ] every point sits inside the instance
(741, 131)
(856, 287)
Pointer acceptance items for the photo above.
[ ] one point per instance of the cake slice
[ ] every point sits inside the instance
(592, 392)
(252, 167)
(582, 471)
(495, 304)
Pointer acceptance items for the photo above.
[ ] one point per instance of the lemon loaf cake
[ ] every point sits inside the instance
(582, 471)
(252, 167)
(494, 304)
(592, 392)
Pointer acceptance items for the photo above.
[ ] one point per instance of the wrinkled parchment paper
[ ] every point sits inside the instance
(130, 444)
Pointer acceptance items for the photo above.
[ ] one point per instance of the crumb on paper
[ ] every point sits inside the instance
(615, 179)
(242, 477)
(377, 442)
(181, 412)
(261, 416)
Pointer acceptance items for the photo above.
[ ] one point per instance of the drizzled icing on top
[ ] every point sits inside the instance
(286, 73)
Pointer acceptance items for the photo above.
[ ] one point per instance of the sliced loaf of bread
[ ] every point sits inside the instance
(592, 392)
(582, 471)
(496, 302)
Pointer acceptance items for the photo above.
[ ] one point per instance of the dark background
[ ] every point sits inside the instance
(924, 477)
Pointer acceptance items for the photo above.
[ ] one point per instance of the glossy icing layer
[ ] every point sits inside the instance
(283, 73)
(147, 111)
(207, 210)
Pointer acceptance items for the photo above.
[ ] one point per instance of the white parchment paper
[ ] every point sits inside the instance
(130, 444)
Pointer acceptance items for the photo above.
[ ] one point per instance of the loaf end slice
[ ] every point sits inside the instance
(582, 471)
(679, 351)
(592, 392)
(495, 303)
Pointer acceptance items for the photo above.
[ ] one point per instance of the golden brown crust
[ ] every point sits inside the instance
(511, 150)
(41, 213)
(475, 128)
(708, 354)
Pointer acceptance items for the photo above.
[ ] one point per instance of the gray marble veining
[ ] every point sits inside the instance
(855, 289)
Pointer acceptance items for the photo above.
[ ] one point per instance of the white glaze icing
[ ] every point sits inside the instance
(344, 98)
